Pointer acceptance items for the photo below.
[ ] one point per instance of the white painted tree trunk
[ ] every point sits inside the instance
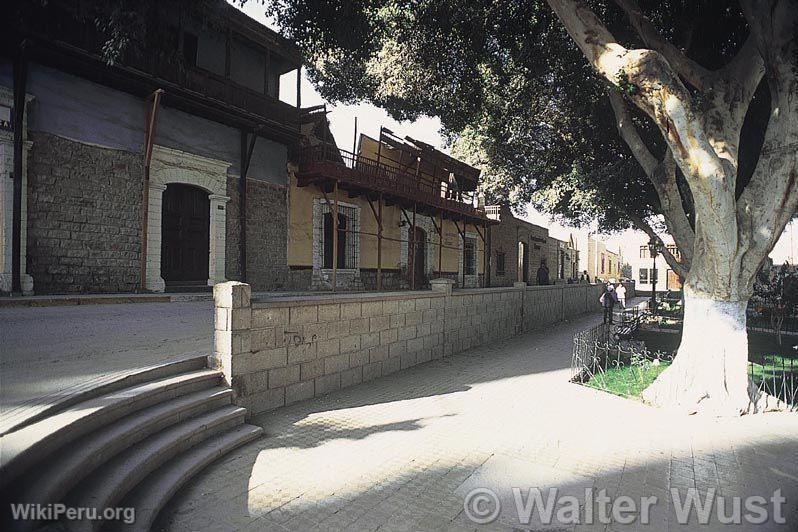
(710, 371)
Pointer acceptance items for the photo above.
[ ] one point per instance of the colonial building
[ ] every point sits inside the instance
(391, 215)
(652, 272)
(600, 263)
(520, 249)
(567, 259)
(166, 170)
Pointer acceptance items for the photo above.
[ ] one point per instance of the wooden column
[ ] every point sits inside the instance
(149, 140)
(335, 237)
(299, 87)
(440, 243)
(246, 158)
(379, 243)
(412, 260)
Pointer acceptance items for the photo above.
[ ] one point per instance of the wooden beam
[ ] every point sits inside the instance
(149, 140)
(412, 254)
(335, 237)
(299, 87)
(245, 159)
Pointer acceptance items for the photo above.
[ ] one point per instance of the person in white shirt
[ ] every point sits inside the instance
(621, 292)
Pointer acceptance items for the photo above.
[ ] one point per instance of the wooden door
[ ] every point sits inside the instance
(185, 234)
(418, 252)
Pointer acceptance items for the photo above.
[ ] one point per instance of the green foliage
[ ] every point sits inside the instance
(628, 380)
(515, 95)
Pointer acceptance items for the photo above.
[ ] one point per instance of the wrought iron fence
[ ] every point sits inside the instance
(625, 367)
(776, 375)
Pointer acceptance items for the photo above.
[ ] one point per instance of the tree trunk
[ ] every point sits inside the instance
(710, 371)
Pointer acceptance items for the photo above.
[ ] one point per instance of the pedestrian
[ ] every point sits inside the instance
(543, 274)
(586, 277)
(621, 292)
(608, 300)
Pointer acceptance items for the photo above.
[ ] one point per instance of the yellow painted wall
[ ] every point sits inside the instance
(300, 232)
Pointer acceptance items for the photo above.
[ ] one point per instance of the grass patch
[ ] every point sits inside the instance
(627, 381)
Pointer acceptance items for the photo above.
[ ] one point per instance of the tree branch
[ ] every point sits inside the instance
(771, 197)
(695, 74)
(662, 175)
(630, 134)
(681, 269)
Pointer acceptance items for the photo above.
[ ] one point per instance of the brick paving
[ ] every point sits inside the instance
(401, 453)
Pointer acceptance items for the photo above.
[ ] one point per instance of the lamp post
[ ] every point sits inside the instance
(653, 248)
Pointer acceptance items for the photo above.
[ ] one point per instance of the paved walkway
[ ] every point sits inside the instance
(402, 452)
(49, 353)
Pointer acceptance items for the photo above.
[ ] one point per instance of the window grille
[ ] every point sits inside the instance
(348, 241)
(470, 256)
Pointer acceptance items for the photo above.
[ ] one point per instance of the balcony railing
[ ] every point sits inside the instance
(357, 171)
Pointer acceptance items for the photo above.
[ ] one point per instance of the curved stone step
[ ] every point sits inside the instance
(149, 497)
(52, 478)
(15, 419)
(113, 480)
(23, 448)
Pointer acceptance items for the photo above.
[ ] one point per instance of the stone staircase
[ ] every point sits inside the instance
(131, 444)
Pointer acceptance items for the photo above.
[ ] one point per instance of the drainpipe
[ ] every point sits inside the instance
(149, 140)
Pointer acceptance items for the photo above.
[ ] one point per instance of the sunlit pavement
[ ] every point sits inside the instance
(50, 353)
(403, 452)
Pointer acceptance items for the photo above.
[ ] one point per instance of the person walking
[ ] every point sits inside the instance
(543, 274)
(621, 292)
(608, 300)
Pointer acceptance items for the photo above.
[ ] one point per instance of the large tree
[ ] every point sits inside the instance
(687, 110)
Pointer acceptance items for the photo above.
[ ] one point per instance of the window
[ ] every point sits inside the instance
(644, 275)
(469, 256)
(500, 263)
(652, 273)
(602, 263)
(644, 252)
(675, 252)
(190, 45)
(347, 242)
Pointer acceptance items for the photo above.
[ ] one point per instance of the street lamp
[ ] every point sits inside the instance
(653, 248)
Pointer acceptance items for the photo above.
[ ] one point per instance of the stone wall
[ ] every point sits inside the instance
(84, 218)
(504, 239)
(267, 231)
(282, 350)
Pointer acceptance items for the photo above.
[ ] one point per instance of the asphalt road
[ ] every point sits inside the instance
(45, 350)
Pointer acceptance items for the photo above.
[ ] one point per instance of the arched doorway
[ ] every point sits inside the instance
(418, 254)
(185, 236)
(523, 262)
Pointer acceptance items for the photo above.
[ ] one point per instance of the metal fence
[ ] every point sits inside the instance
(625, 367)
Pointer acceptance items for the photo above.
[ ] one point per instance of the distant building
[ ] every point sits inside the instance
(518, 249)
(595, 258)
(645, 269)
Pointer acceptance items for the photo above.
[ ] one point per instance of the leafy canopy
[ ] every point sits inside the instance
(514, 94)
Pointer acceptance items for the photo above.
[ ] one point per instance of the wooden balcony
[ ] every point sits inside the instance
(323, 165)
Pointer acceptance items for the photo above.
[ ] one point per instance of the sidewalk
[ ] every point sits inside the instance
(48, 354)
(402, 452)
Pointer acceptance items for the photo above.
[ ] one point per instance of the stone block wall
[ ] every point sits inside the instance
(267, 233)
(278, 351)
(84, 217)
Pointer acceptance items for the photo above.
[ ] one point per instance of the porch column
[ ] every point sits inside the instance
(216, 246)
(155, 282)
